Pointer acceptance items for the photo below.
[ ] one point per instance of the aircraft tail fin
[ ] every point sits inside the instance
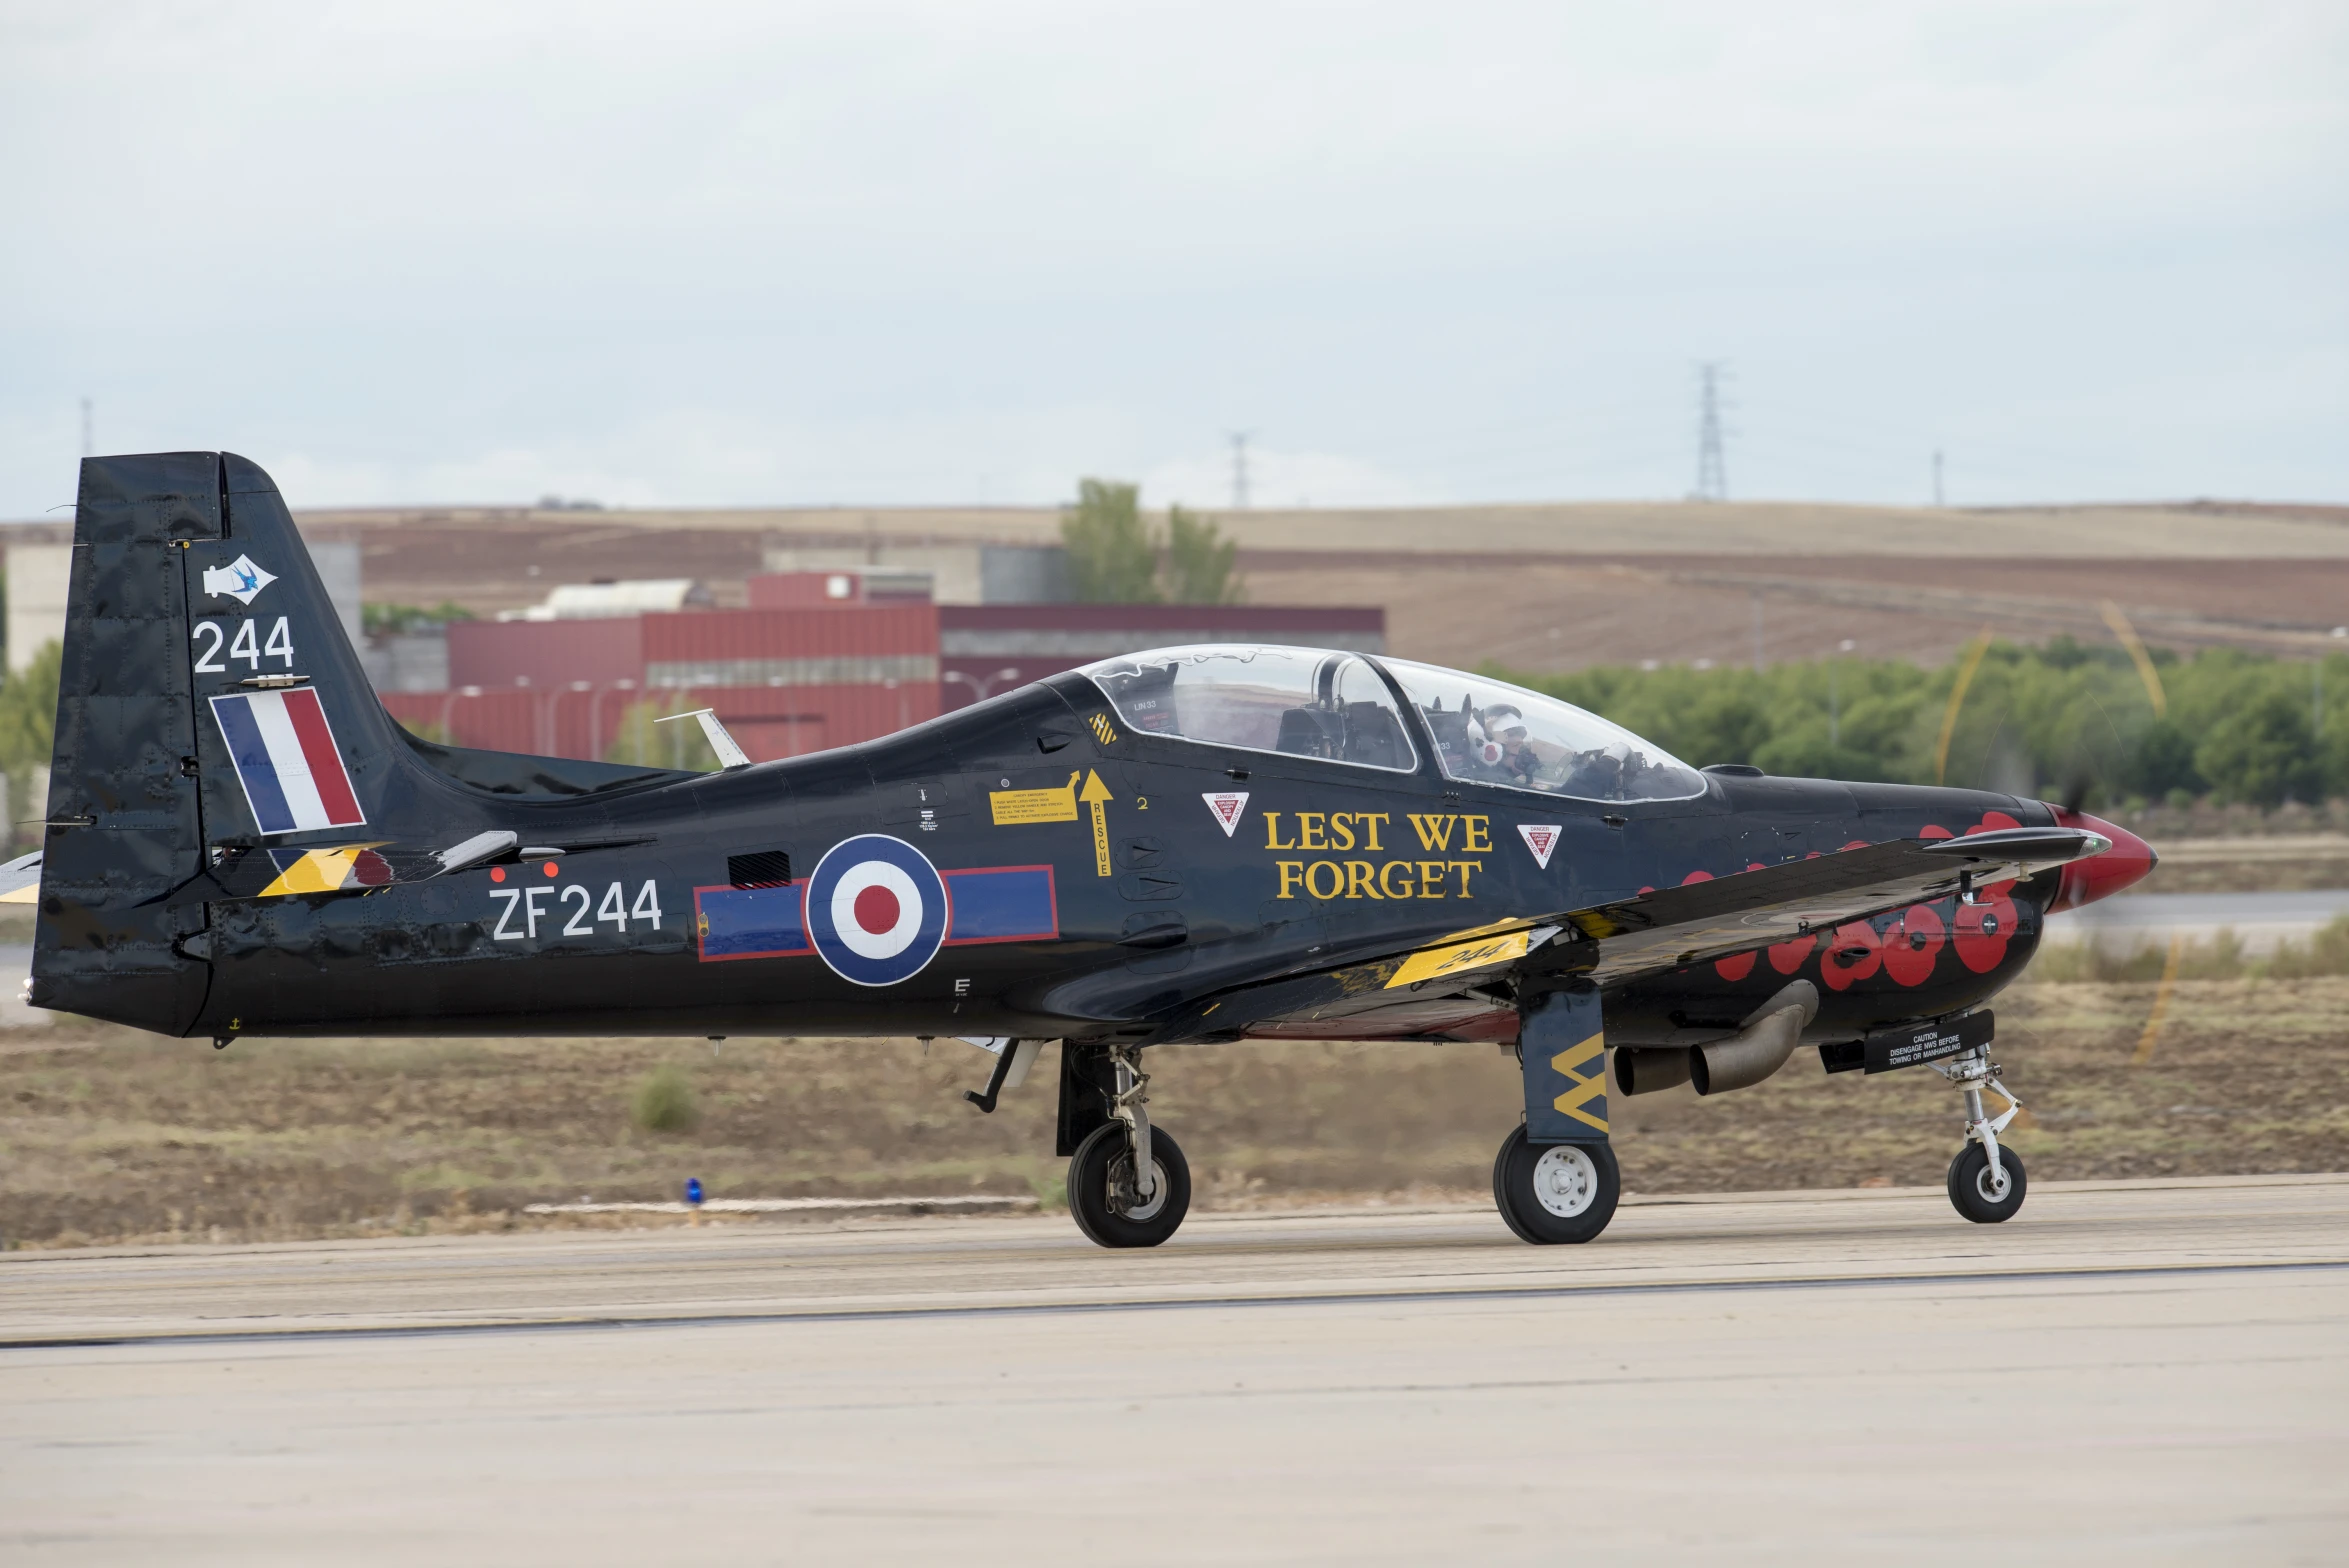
(209, 702)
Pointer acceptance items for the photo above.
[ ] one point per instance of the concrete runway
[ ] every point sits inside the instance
(2260, 920)
(2150, 1372)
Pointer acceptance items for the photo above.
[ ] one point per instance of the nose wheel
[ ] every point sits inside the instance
(1984, 1195)
(1108, 1203)
(1986, 1180)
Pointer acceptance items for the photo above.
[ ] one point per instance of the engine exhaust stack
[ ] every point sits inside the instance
(1748, 1056)
(1644, 1072)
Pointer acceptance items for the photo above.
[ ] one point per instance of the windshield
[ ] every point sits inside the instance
(1496, 733)
(1302, 702)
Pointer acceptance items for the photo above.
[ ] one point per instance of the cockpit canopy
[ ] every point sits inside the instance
(1341, 707)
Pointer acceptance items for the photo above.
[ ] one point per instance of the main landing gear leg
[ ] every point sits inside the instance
(1986, 1182)
(1128, 1183)
(1555, 1179)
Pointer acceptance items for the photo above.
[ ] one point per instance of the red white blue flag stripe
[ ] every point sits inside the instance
(985, 904)
(287, 760)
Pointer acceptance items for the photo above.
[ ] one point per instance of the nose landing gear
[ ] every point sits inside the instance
(1986, 1181)
(1128, 1183)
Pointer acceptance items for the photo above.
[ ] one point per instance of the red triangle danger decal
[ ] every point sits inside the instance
(1227, 806)
(1541, 838)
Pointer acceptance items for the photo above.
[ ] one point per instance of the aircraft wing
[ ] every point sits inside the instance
(1674, 926)
(1666, 928)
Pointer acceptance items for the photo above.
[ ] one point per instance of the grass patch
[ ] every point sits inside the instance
(111, 1136)
(664, 1101)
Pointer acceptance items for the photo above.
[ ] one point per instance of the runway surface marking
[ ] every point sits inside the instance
(2150, 1373)
(777, 1273)
(1158, 1304)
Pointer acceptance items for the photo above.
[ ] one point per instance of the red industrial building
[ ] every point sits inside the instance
(820, 660)
(784, 682)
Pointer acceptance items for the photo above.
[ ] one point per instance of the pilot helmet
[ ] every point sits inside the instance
(1503, 722)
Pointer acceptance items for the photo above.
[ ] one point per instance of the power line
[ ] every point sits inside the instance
(89, 428)
(1712, 482)
(1240, 469)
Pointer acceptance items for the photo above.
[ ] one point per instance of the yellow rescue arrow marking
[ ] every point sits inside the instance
(1096, 794)
(1593, 1087)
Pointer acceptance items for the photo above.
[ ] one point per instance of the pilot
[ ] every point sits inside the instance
(1508, 746)
(1606, 772)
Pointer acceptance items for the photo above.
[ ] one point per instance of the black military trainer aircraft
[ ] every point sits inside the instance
(1196, 844)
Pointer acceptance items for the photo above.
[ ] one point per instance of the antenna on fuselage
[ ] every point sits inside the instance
(730, 754)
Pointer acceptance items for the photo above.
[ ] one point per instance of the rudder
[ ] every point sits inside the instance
(124, 829)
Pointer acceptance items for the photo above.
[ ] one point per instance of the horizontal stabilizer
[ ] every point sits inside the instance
(20, 880)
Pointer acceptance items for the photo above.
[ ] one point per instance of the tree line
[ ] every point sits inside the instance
(2066, 720)
(1116, 557)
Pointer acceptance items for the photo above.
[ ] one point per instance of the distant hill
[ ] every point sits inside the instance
(1535, 586)
(2210, 529)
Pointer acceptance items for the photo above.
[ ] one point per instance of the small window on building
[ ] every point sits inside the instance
(1301, 702)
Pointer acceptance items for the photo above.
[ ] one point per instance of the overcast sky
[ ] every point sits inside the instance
(898, 253)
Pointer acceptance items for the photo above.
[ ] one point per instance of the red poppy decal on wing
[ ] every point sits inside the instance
(1737, 965)
(1854, 953)
(1984, 929)
(1913, 944)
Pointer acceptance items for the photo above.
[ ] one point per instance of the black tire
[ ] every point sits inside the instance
(1558, 1193)
(1103, 1164)
(1501, 1190)
(1970, 1190)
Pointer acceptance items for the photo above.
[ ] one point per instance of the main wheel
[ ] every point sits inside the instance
(1976, 1195)
(1101, 1193)
(1555, 1192)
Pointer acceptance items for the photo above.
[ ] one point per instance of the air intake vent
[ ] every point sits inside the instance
(768, 868)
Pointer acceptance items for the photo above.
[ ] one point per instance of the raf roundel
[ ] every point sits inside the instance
(876, 909)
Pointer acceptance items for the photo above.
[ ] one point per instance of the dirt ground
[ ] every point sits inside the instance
(107, 1136)
(1548, 613)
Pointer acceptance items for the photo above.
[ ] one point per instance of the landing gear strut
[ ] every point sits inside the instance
(1986, 1181)
(1128, 1183)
